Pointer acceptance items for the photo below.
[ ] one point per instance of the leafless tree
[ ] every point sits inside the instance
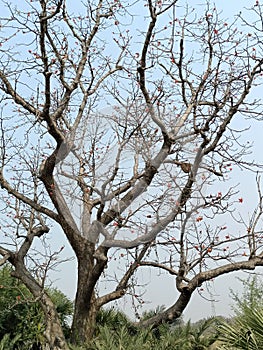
(116, 125)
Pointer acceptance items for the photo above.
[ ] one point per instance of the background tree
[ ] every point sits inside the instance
(22, 322)
(119, 131)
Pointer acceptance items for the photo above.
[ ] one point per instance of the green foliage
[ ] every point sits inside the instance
(22, 325)
(116, 332)
(7, 343)
(112, 318)
(245, 331)
(21, 317)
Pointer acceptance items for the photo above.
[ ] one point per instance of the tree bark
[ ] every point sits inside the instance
(84, 320)
(86, 309)
(53, 333)
(169, 315)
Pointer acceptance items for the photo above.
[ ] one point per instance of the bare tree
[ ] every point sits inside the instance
(116, 126)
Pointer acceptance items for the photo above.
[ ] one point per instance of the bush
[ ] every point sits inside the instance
(115, 332)
(245, 331)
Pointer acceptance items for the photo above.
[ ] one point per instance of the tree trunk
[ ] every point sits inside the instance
(85, 310)
(84, 322)
(53, 333)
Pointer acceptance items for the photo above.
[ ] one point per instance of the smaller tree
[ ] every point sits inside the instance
(21, 317)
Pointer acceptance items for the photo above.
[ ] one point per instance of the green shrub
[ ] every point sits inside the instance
(245, 330)
(21, 317)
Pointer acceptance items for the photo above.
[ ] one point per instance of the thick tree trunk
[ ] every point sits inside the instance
(85, 310)
(84, 321)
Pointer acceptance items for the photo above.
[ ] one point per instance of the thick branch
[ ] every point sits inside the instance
(179, 306)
